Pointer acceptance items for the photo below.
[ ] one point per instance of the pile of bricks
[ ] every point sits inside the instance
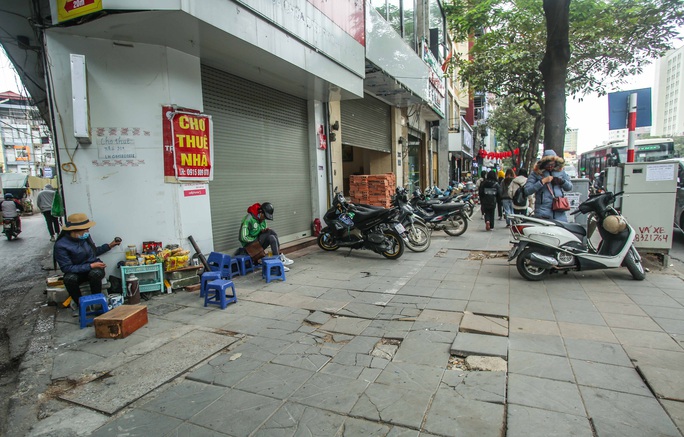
(374, 190)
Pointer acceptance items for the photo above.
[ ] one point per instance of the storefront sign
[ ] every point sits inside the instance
(188, 141)
(69, 9)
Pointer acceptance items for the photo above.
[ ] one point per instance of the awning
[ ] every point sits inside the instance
(13, 180)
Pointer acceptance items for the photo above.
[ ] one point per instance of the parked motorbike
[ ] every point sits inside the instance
(548, 246)
(449, 217)
(466, 198)
(361, 228)
(10, 228)
(418, 235)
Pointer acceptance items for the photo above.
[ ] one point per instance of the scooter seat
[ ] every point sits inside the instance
(447, 207)
(572, 227)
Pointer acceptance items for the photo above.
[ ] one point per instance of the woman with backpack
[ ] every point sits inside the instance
(489, 193)
(519, 200)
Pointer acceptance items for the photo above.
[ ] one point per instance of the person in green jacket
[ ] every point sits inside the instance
(254, 228)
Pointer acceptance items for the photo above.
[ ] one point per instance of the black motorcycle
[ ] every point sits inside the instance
(10, 228)
(450, 217)
(361, 228)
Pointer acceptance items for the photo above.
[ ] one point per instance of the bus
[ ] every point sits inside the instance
(614, 153)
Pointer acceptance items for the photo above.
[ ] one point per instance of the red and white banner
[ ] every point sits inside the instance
(188, 145)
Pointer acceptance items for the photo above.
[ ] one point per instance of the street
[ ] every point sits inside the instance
(353, 344)
(20, 273)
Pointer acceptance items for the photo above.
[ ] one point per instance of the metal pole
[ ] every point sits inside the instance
(631, 126)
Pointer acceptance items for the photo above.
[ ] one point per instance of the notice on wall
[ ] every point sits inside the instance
(194, 190)
(573, 200)
(116, 143)
(659, 172)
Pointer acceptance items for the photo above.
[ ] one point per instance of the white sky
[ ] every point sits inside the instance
(591, 115)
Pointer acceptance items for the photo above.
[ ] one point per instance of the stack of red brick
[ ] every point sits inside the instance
(374, 190)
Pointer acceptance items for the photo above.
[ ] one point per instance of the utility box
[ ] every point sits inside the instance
(613, 182)
(579, 193)
(648, 203)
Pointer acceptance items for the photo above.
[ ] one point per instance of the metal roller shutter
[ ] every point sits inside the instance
(366, 123)
(261, 154)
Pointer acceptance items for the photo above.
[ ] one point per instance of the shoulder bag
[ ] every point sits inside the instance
(559, 203)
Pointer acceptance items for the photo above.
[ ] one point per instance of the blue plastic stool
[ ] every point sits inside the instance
(246, 264)
(272, 268)
(216, 293)
(227, 265)
(86, 317)
(205, 278)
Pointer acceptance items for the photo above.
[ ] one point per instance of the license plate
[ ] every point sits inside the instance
(400, 228)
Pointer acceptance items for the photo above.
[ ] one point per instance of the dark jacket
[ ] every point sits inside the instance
(489, 193)
(504, 188)
(75, 255)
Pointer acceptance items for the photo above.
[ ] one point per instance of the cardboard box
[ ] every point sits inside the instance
(120, 322)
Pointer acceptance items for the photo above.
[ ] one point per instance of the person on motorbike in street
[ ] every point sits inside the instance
(489, 193)
(548, 177)
(11, 209)
(254, 228)
(77, 256)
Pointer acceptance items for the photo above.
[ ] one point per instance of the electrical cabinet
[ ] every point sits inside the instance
(648, 202)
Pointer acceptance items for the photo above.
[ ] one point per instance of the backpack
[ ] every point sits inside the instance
(519, 198)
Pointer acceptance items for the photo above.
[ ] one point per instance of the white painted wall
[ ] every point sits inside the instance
(127, 87)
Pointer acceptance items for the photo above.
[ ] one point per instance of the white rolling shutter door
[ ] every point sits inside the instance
(366, 123)
(261, 155)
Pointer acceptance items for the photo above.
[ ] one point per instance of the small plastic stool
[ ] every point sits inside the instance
(86, 317)
(216, 293)
(205, 278)
(246, 264)
(272, 268)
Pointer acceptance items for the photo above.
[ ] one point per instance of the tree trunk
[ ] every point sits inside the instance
(533, 148)
(554, 70)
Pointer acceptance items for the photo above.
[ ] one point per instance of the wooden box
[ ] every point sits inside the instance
(120, 322)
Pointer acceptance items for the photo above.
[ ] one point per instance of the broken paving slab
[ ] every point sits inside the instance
(484, 324)
(318, 318)
(467, 344)
(486, 364)
(126, 383)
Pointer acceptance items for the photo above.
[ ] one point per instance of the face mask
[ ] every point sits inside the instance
(84, 236)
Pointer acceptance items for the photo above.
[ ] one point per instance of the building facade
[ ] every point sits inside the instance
(669, 94)
(295, 97)
(24, 138)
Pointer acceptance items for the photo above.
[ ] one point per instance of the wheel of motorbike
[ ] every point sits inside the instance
(469, 209)
(456, 225)
(326, 241)
(397, 244)
(9, 236)
(418, 237)
(634, 266)
(527, 270)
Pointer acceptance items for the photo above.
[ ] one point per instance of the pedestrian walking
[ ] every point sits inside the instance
(489, 192)
(44, 202)
(517, 183)
(506, 199)
(500, 175)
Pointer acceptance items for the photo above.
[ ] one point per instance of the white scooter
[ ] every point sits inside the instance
(548, 246)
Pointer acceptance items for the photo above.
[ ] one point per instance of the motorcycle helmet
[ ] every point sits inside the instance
(9, 196)
(267, 209)
(614, 224)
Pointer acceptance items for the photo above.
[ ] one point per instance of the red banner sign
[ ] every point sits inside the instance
(188, 154)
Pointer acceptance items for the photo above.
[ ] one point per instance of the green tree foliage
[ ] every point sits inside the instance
(514, 128)
(609, 40)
